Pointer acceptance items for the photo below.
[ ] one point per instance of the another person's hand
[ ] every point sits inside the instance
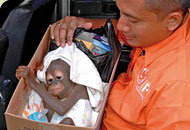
(63, 30)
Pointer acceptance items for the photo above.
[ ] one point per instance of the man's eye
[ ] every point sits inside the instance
(133, 21)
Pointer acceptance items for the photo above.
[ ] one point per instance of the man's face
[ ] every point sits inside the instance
(141, 27)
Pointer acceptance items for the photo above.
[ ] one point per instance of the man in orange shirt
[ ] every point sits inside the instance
(154, 94)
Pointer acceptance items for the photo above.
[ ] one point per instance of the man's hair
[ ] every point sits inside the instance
(163, 7)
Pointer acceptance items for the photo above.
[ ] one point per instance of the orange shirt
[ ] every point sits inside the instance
(155, 92)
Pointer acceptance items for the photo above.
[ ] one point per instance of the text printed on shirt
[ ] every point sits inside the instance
(143, 86)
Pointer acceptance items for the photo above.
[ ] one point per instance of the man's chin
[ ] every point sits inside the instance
(132, 43)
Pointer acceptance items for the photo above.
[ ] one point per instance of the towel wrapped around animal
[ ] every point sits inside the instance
(84, 72)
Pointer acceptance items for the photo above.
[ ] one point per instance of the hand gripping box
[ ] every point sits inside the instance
(15, 121)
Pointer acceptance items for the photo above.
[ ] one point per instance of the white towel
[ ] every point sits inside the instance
(82, 71)
(81, 113)
(34, 104)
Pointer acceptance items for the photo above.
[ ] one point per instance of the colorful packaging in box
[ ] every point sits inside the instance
(96, 44)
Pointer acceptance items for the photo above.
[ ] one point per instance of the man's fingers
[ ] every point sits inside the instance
(71, 29)
(62, 35)
(70, 34)
(52, 31)
(86, 26)
(57, 33)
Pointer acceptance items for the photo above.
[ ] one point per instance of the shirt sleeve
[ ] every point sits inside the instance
(169, 108)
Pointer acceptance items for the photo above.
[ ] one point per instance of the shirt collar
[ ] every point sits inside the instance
(174, 41)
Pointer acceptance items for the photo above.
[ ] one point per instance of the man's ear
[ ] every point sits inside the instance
(175, 19)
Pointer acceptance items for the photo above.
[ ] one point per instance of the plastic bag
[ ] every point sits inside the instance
(104, 62)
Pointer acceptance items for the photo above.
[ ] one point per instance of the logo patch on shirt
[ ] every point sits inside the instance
(143, 85)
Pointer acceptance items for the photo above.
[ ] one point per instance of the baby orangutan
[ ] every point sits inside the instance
(59, 86)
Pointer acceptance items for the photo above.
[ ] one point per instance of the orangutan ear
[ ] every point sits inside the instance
(174, 20)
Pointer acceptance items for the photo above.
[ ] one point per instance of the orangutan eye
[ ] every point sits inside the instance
(58, 74)
(50, 80)
(58, 77)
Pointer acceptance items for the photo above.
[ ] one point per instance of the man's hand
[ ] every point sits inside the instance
(63, 30)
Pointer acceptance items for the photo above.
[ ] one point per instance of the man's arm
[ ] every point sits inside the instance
(170, 108)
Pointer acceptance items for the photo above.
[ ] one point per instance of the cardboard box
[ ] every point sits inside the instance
(14, 110)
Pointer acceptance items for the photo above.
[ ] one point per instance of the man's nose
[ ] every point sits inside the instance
(122, 25)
